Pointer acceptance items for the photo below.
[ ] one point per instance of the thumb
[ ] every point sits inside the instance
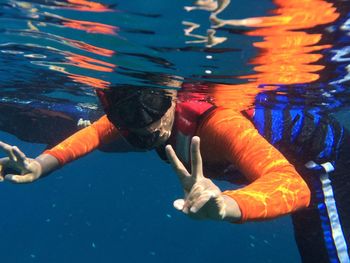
(179, 204)
(20, 179)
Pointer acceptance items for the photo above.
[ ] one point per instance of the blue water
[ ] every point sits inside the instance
(118, 208)
(109, 207)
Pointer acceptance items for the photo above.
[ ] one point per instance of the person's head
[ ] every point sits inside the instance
(144, 115)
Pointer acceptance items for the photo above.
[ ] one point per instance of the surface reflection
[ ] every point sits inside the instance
(289, 53)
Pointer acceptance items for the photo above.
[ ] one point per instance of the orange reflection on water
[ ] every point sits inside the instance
(297, 14)
(90, 81)
(85, 5)
(238, 97)
(90, 48)
(93, 82)
(91, 27)
(287, 54)
(90, 63)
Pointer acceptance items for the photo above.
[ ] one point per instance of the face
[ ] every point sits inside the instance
(156, 133)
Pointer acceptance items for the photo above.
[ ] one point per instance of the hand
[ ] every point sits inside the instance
(28, 169)
(203, 199)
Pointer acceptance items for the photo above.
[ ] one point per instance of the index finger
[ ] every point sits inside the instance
(7, 149)
(177, 165)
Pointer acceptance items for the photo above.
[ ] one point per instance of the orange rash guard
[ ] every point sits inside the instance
(275, 189)
(84, 141)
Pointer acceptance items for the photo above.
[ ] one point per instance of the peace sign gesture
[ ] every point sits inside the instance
(27, 170)
(203, 199)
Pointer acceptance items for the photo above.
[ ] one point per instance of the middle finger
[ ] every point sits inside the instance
(196, 158)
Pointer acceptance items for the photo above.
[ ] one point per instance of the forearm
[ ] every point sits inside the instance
(270, 197)
(48, 164)
(275, 188)
(232, 212)
(84, 141)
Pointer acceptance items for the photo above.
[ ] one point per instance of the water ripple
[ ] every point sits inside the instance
(291, 52)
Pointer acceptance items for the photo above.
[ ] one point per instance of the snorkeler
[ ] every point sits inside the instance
(251, 142)
(149, 119)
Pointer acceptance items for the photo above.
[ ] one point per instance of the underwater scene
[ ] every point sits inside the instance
(279, 67)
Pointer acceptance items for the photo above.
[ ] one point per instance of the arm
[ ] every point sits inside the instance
(26, 169)
(276, 188)
(76, 146)
(84, 141)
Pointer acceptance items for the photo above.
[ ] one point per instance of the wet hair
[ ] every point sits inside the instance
(134, 107)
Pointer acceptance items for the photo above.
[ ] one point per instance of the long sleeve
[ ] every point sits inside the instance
(84, 141)
(275, 187)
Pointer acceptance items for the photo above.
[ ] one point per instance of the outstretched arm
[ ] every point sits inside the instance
(18, 168)
(84, 141)
(25, 170)
(275, 188)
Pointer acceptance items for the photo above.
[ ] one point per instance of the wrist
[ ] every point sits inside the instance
(48, 163)
(232, 212)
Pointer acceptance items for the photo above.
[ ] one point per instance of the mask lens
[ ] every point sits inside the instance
(140, 110)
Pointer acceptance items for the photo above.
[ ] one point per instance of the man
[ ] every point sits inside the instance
(230, 141)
